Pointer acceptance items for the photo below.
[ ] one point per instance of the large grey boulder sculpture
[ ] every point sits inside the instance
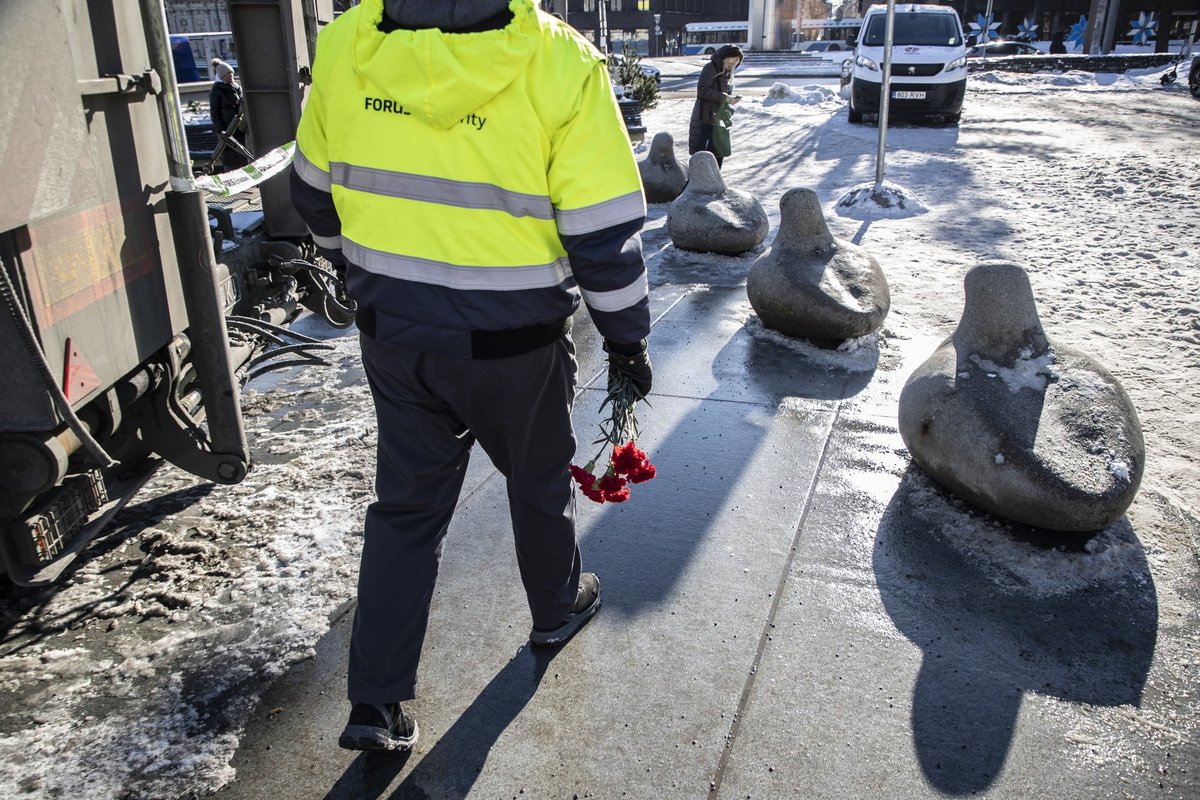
(1020, 426)
(712, 218)
(663, 177)
(809, 284)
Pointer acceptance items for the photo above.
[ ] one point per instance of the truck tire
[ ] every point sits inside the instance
(853, 117)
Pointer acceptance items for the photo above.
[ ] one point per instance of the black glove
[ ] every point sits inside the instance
(630, 361)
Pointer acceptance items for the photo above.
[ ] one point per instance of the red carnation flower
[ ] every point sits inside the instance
(587, 482)
(614, 488)
(627, 463)
(619, 496)
(643, 473)
(633, 463)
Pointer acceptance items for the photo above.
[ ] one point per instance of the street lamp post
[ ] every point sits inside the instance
(885, 90)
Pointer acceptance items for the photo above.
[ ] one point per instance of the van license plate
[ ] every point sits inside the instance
(908, 95)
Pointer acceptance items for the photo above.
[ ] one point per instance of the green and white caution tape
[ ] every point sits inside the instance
(249, 176)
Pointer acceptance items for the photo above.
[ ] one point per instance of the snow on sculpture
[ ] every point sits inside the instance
(1016, 424)
(709, 217)
(809, 284)
(663, 177)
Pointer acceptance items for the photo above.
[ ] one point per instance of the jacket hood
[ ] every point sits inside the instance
(449, 15)
(724, 52)
(441, 77)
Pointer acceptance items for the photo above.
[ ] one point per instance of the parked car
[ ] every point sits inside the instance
(823, 46)
(1194, 77)
(647, 69)
(201, 140)
(928, 64)
(997, 49)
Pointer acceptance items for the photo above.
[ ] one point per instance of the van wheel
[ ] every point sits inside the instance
(854, 117)
(953, 119)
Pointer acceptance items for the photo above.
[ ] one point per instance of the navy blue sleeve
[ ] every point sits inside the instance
(611, 275)
(319, 214)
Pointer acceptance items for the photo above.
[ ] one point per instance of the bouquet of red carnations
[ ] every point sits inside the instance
(626, 463)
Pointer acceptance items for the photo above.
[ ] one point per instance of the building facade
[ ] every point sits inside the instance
(656, 27)
(649, 27)
(206, 24)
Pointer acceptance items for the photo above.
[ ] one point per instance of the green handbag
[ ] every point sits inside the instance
(720, 131)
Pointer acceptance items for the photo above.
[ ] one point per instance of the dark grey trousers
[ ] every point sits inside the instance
(431, 409)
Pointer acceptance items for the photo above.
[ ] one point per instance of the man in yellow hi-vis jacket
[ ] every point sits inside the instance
(468, 164)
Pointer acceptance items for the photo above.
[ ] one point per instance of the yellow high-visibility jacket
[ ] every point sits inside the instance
(472, 182)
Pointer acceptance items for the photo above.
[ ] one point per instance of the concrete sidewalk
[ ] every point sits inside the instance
(786, 615)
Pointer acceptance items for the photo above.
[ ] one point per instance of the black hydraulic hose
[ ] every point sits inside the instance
(303, 349)
(8, 296)
(260, 325)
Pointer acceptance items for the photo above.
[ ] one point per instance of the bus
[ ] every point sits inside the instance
(706, 38)
(843, 30)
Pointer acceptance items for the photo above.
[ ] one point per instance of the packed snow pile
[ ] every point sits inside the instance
(860, 354)
(1075, 80)
(888, 201)
(801, 95)
(1026, 567)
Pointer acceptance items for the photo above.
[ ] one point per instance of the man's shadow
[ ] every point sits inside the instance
(705, 458)
(989, 636)
(454, 763)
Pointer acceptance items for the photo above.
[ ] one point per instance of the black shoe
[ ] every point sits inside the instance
(587, 603)
(378, 727)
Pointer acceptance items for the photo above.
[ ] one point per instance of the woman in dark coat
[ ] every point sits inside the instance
(224, 102)
(713, 89)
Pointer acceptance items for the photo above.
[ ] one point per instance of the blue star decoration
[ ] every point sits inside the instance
(984, 29)
(1145, 29)
(1075, 37)
(1027, 29)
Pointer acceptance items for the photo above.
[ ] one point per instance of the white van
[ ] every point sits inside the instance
(929, 63)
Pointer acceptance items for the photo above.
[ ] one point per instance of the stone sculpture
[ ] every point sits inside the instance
(1020, 426)
(710, 217)
(809, 284)
(663, 177)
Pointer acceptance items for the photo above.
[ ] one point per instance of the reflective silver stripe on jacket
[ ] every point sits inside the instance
(328, 242)
(454, 276)
(310, 173)
(617, 299)
(601, 215)
(463, 194)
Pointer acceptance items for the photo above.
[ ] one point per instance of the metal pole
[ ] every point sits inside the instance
(602, 8)
(1110, 27)
(179, 162)
(885, 91)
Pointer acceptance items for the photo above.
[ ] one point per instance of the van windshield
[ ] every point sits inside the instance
(933, 30)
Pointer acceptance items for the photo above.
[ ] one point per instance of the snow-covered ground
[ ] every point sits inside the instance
(135, 677)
